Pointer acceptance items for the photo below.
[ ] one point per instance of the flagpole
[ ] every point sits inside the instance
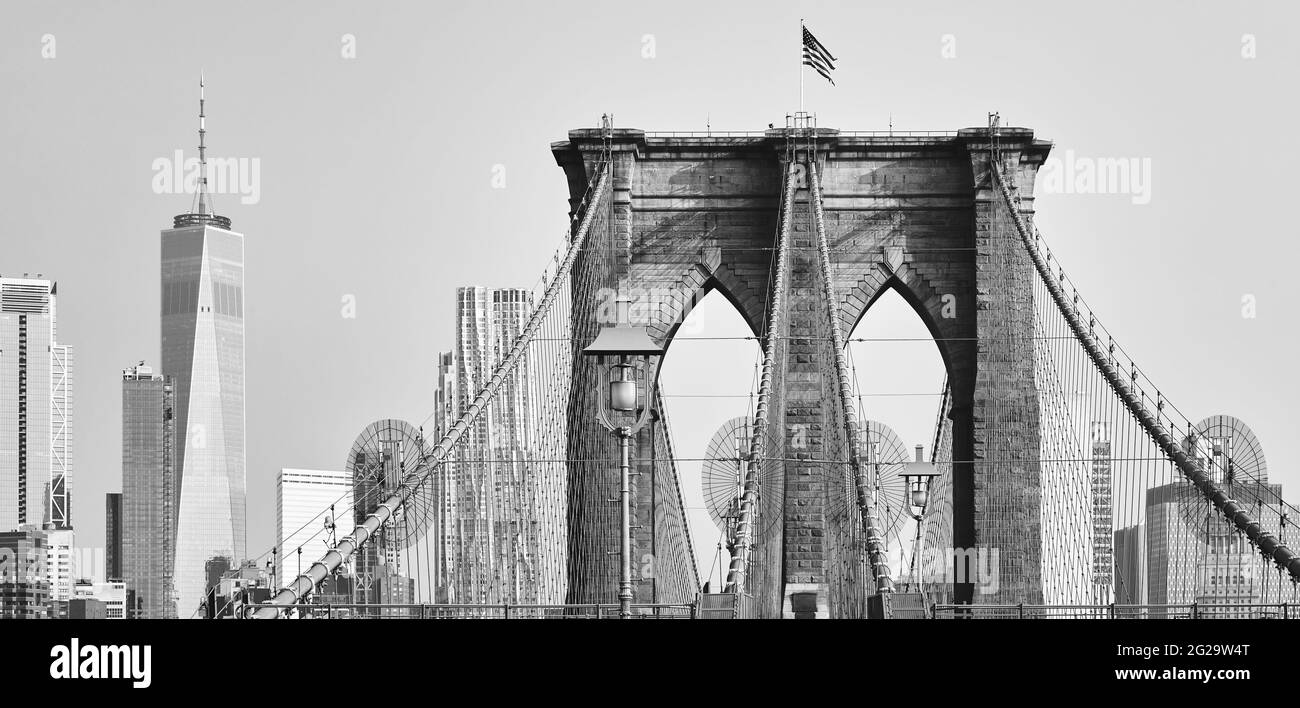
(801, 65)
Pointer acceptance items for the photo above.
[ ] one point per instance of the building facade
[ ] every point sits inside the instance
(302, 502)
(60, 568)
(384, 453)
(1191, 554)
(203, 349)
(149, 492)
(502, 531)
(24, 582)
(232, 591)
(35, 408)
(111, 595)
(1130, 565)
(444, 416)
(113, 536)
(1101, 496)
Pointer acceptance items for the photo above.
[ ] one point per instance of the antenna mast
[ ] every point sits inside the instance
(204, 200)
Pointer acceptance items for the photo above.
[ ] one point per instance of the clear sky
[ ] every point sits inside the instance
(376, 181)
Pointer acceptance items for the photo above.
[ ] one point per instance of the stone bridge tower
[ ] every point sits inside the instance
(914, 213)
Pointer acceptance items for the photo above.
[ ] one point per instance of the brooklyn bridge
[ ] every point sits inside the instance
(1051, 449)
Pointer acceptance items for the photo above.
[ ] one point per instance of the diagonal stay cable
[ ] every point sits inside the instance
(862, 485)
(1267, 543)
(305, 583)
(740, 559)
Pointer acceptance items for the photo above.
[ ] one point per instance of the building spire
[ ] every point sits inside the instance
(201, 209)
(204, 201)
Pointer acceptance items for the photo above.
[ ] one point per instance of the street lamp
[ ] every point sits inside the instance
(918, 476)
(624, 355)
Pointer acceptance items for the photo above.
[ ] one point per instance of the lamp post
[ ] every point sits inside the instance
(623, 408)
(918, 476)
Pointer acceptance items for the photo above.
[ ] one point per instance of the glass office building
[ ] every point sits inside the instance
(148, 521)
(1192, 554)
(203, 350)
(35, 407)
(113, 536)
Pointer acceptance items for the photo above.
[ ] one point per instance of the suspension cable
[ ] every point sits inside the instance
(740, 557)
(870, 522)
(1268, 544)
(321, 569)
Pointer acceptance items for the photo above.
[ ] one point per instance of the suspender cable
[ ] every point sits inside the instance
(1234, 511)
(321, 569)
(740, 557)
(870, 521)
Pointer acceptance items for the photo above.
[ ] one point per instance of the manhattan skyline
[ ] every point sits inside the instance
(377, 194)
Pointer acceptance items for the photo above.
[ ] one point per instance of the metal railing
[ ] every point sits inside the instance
(898, 133)
(1187, 610)
(467, 611)
(765, 133)
(706, 134)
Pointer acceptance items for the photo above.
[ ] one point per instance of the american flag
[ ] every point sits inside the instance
(816, 55)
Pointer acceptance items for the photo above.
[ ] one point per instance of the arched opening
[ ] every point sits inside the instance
(707, 380)
(898, 376)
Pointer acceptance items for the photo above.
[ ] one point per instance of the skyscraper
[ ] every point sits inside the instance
(503, 525)
(113, 536)
(1192, 554)
(35, 414)
(1103, 513)
(203, 350)
(1130, 565)
(444, 415)
(302, 499)
(380, 458)
(444, 396)
(148, 514)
